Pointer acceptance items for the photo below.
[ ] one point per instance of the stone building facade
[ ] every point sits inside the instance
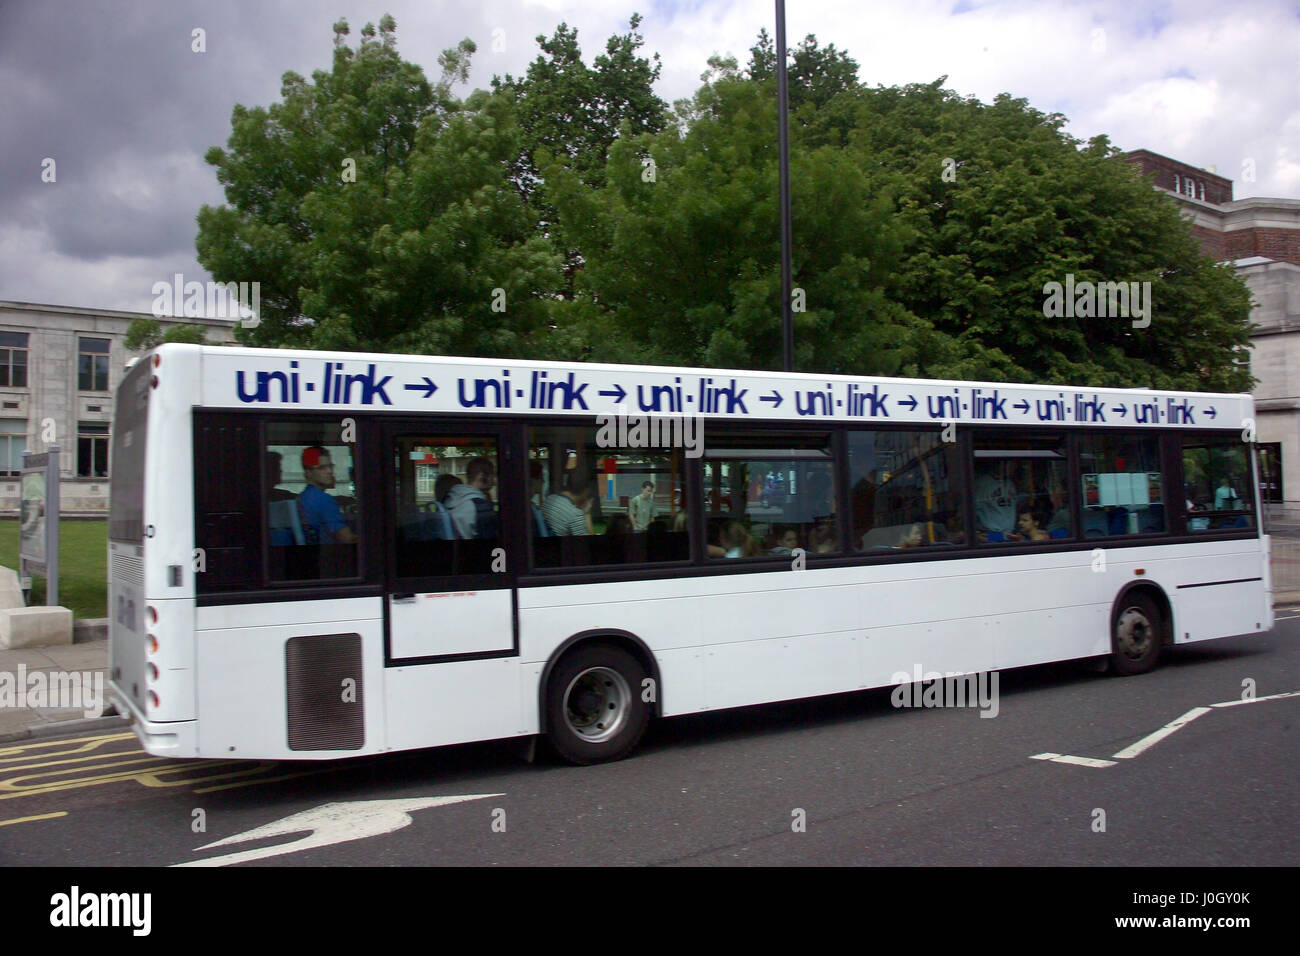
(59, 370)
(1260, 237)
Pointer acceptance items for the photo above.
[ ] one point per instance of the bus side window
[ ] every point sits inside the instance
(448, 514)
(1123, 484)
(593, 504)
(309, 495)
(905, 489)
(1218, 486)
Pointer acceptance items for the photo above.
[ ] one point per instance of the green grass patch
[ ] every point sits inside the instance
(83, 565)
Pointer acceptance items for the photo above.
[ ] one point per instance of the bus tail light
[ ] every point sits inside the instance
(153, 643)
(152, 612)
(152, 668)
(157, 359)
(154, 702)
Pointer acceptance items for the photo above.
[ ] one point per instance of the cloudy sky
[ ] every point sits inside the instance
(115, 96)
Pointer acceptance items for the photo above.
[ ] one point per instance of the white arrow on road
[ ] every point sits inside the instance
(331, 823)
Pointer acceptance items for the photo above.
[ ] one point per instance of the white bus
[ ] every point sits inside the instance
(315, 555)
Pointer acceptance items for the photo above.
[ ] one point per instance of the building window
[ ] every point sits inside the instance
(92, 365)
(1200, 191)
(13, 359)
(13, 439)
(1178, 183)
(92, 450)
(1189, 187)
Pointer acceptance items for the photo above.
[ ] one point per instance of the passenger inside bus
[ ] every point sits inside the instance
(322, 519)
(568, 513)
(469, 502)
(736, 542)
(1030, 530)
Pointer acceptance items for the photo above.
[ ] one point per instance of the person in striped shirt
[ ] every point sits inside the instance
(569, 512)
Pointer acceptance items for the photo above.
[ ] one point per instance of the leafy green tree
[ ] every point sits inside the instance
(685, 266)
(1002, 202)
(144, 334)
(926, 229)
(573, 113)
(377, 212)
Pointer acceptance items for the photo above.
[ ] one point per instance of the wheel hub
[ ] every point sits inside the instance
(596, 704)
(1134, 634)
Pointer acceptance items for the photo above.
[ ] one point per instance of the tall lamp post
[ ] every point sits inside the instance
(783, 160)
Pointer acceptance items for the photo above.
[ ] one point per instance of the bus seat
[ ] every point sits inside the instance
(284, 523)
(1059, 533)
(539, 523)
(885, 537)
(1117, 521)
(1154, 518)
(443, 527)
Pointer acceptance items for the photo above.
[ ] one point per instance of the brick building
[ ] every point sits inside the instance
(59, 368)
(1261, 238)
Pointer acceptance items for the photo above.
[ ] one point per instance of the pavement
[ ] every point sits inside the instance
(74, 674)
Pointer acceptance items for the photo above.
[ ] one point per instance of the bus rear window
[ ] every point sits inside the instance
(130, 418)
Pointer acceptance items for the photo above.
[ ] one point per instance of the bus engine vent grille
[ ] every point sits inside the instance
(128, 568)
(324, 692)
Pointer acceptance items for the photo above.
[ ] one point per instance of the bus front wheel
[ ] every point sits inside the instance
(594, 707)
(1136, 635)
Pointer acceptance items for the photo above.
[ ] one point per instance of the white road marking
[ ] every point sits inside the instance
(1150, 740)
(329, 824)
(1256, 700)
(1080, 761)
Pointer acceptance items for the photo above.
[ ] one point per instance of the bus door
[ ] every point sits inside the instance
(450, 581)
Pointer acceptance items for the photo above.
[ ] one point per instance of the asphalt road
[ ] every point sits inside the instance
(847, 780)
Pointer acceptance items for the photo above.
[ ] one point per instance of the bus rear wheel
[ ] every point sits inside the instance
(1136, 635)
(594, 710)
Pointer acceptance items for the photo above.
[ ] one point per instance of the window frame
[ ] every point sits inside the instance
(95, 437)
(393, 429)
(690, 476)
(93, 354)
(375, 562)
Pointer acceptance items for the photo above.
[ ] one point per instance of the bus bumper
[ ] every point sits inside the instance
(178, 738)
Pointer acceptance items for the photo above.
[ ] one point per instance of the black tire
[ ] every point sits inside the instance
(594, 710)
(1136, 633)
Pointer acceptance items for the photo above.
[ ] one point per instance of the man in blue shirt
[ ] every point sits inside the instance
(322, 520)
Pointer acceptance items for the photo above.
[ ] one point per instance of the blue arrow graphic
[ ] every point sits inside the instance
(428, 386)
(618, 393)
(1122, 409)
(910, 403)
(1212, 413)
(1021, 405)
(774, 398)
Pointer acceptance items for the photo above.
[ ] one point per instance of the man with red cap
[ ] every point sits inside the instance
(322, 520)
